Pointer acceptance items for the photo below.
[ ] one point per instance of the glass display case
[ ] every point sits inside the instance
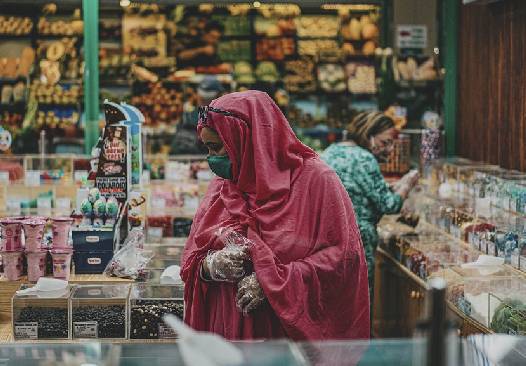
(41, 315)
(477, 350)
(505, 190)
(52, 168)
(173, 252)
(148, 304)
(99, 311)
(494, 296)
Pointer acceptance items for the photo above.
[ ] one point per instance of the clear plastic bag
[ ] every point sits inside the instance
(229, 263)
(130, 261)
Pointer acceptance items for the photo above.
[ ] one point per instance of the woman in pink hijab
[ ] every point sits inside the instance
(304, 275)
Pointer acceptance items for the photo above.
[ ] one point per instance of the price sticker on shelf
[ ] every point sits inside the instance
(4, 177)
(63, 204)
(166, 332)
(32, 178)
(155, 234)
(26, 330)
(146, 177)
(13, 206)
(158, 203)
(85, 329)
(44, 205)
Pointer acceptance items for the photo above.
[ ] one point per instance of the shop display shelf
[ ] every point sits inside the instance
(495, 296)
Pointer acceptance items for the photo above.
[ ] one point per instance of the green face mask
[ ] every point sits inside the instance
(221, 166)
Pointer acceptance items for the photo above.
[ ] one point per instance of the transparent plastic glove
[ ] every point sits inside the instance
(227, 264)
(249, 294)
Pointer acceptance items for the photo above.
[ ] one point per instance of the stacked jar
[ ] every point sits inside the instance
(62, 250)
(36, 253)
(12, 252)
(30, 232)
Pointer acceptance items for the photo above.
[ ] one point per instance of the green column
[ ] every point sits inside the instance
(450, 19)
(91, 72)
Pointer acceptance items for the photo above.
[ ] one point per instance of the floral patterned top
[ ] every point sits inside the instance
(370, 194)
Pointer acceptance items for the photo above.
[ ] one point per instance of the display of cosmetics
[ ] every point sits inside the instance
(97, 211)
(30, 231)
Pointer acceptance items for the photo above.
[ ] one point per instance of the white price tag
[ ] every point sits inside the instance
(155, 234)
(158, 203)
(191, 203)
(64, 203)
(85, 329)
(145, 177)
(13, 206)
(165, 332)
(4, 177)
(80, 175)
(28, 330)
(32, 178)
(44, 206)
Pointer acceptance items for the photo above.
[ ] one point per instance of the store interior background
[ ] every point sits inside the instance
(479, 94)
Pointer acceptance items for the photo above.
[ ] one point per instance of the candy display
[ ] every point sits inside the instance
(148, 304)
(40, 317)
(99, 311)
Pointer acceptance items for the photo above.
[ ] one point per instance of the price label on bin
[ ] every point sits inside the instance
(85, 329)
(26, 330)
(4, 177)
(166, 332)
(32, 178)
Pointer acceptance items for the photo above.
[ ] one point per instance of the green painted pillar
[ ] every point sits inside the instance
(91, 72)
(450, 19)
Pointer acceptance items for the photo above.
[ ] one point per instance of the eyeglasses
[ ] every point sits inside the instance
(202, 113)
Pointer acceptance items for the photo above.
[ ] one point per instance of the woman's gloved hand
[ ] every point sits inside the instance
(249, 294)
(226, 265)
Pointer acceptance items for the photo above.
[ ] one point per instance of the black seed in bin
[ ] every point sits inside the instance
(52, 322)
(111, 319)
(146, 315)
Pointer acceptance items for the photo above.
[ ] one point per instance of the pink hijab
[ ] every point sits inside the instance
(307, 252)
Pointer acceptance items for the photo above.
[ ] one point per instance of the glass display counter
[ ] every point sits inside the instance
(473, 351)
